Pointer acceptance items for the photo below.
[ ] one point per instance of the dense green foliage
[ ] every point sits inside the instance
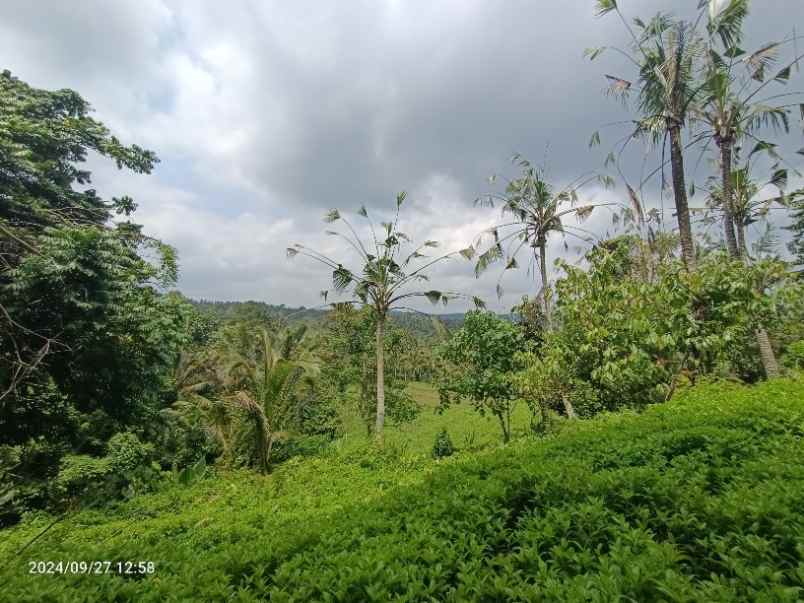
(484, 356)
(694, 500)
(86, 334)
(240, 450)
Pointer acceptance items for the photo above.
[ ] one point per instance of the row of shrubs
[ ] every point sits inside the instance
(697, 500)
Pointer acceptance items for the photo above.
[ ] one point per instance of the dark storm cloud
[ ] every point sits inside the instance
(264, 114)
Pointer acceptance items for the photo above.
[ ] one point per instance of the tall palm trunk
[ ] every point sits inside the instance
(380, 377)
(543, 270)
(728, 213)
(680, 194)
(741, 245)
(767, 354)
(737, 249)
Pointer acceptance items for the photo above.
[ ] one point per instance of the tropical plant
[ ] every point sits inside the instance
(538, 210)
(384, 279)
(484, 355)
(664, 52)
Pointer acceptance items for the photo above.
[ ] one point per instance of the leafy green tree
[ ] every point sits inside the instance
(538, 210)
(484, 355)
(87, 335)
(387, 278)
(634, 340)
(664, 52)
(348, 358)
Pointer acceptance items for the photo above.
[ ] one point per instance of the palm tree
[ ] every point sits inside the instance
(730, 110)
(538, 210)
(251, 372)
(384, 278)
(664, 54)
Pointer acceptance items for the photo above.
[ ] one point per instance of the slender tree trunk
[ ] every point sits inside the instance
(380, 378)
(543, 270)
(728, 213)
(568, 408)
(741, 245)
(768, 355)
(506, 432)
(680, 194)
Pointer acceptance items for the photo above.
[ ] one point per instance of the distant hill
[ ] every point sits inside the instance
(418, 323)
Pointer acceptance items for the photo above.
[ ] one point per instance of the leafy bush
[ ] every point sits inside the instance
(794, 357)
(443, 445)
(699, 499)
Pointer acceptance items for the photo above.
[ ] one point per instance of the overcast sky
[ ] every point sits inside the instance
(266, 114)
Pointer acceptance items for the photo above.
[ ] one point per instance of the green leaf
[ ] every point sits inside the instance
(595, 140)
(433, 296)
(779, 179)
(593, 53)
(603, 7)
(331, 216)
(468, 253)
(400, 198)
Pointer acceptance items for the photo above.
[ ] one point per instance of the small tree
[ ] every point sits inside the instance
(484, 354)
(384, 280)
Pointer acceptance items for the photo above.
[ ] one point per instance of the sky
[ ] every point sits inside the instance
(266, 114)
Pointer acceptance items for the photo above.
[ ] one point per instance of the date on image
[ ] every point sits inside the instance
(92, 567)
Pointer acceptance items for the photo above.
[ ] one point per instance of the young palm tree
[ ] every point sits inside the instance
(251, 372)
(664, 52)
(389, 266)
(538, 210)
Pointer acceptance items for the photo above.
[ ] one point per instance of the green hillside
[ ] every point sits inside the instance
(697, 500)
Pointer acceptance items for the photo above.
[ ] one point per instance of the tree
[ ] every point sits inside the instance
(796, 245)
(538, 210)
(349, 373)
(484, 354)
(44, 137)
(664, 53)
(384, 278)
(730, 110)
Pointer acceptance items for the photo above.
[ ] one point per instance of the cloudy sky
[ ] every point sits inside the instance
(266, 114)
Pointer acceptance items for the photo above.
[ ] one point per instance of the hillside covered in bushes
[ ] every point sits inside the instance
(697, 500)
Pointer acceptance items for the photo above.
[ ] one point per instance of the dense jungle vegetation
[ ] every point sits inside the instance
(630, 431)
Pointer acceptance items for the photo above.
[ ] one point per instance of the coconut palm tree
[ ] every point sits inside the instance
(664, 52)
(389, 266)
(538, 210)
(731, 111)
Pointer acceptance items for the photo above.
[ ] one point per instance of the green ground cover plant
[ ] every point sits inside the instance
(699, 499)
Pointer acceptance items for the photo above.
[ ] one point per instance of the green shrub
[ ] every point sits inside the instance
(443, 445)
(794, 356)
(699, 499)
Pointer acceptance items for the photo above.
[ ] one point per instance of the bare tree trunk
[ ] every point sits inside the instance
(680, 194)
(380, 378)
(741, 245)
(728, 213)
(767, 354)
(506, 431)
(543, 270)
(568, 408)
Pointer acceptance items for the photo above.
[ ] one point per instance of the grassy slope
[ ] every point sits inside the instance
(701, 499)
(467, 429)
